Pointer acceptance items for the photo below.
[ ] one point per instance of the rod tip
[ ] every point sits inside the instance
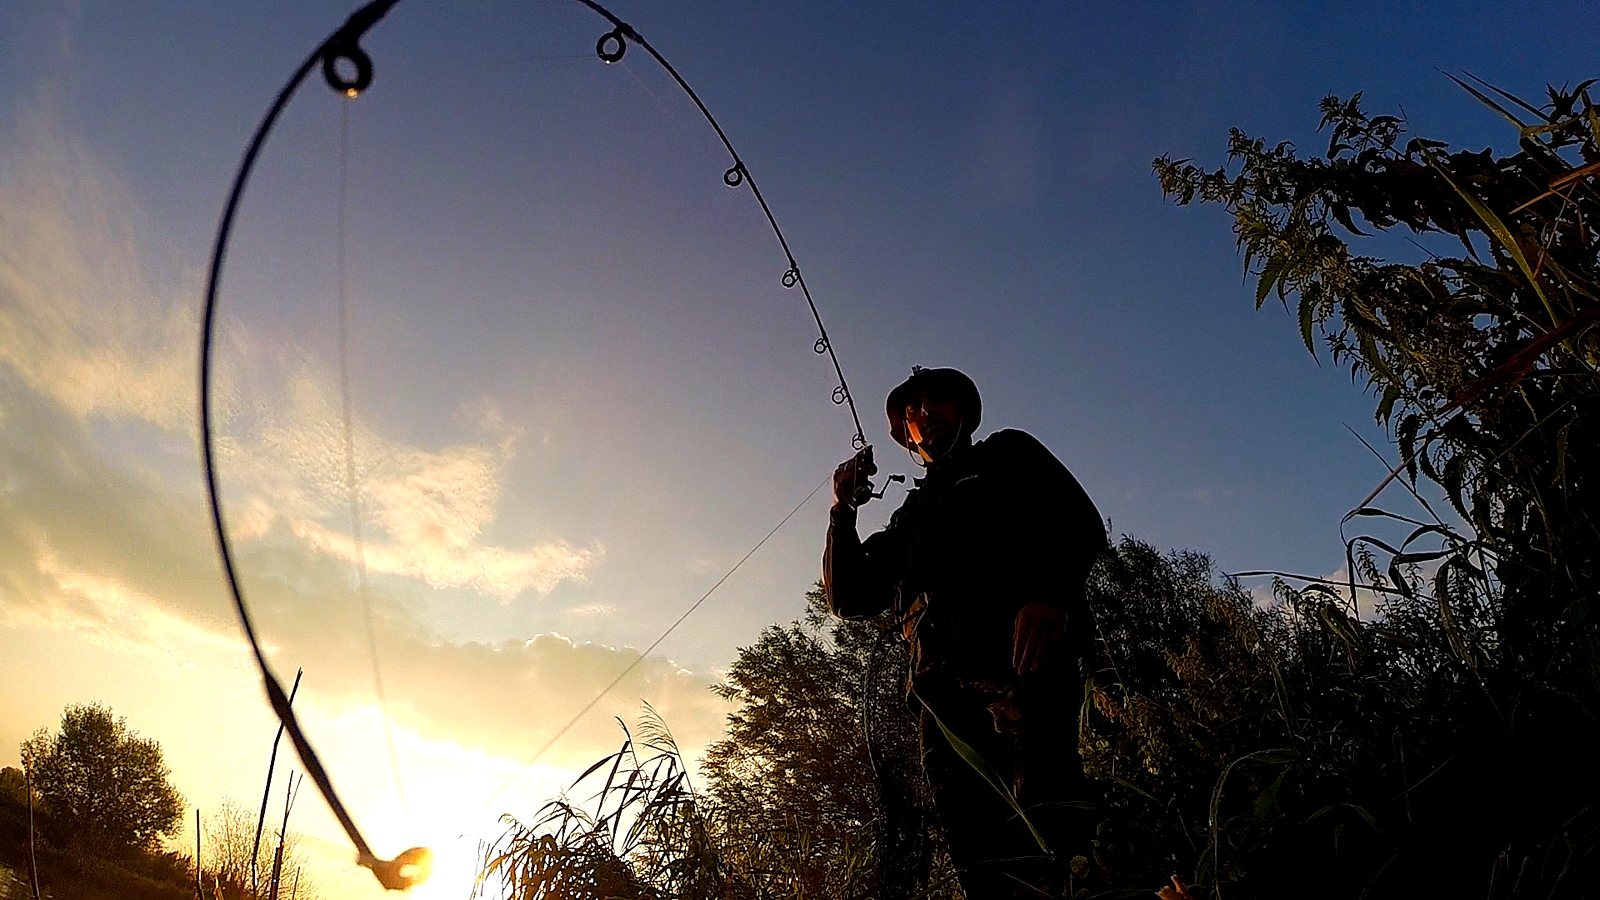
(405, 871)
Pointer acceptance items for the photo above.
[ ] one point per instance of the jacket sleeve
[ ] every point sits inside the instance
(859, 577)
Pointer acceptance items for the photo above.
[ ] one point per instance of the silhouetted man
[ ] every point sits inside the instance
(984, 566)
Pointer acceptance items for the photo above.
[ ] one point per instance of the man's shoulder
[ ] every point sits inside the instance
(1038, 474)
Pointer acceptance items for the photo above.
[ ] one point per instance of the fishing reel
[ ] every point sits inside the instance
(879, 495)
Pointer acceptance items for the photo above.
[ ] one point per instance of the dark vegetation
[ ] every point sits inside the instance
(1258, 747)
(1483, 678)
(102, 802)
(107, 789)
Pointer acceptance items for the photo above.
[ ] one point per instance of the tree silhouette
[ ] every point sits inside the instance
(107, 789)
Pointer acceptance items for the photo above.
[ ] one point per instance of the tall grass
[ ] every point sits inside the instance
(641, 834)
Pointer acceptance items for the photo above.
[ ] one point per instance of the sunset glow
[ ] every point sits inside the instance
(580, 390)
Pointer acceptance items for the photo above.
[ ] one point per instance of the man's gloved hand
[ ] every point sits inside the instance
(1040, 627)
(852, 480)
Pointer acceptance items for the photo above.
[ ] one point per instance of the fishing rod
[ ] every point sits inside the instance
(348, 70)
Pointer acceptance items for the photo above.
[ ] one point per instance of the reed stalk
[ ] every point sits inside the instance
(266, 791)
(33, 862)
(199, 885)
(283, 833)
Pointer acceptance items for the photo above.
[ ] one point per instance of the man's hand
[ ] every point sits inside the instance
(852, 484)
(1039, 629)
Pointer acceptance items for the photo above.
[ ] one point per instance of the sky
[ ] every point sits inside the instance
(580, 392)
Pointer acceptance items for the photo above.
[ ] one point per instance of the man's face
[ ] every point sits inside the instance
(933, 423)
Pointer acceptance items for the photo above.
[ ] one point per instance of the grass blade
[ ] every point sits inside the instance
(982, 767)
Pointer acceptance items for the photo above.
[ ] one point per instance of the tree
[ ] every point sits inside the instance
(821, 768)
(107, 789)
(230, 833)
(13, 786)
(1247, 743)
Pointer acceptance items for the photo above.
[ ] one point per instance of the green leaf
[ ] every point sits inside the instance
(1267, 801)
(1386, 405)
(982, 767)
(1406, 437)
(1397, 578)
(1513, 98)
(1135, 788)
(1561, 456)
(1271, 274)
(1274, 756)
(1487, 102)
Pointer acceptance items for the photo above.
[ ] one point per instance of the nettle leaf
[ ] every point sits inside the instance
(1271, 274)
(1406, 437)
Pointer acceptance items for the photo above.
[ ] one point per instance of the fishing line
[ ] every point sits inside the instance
(348, 70)
(352, 483)
(411, 867)
(653, 645)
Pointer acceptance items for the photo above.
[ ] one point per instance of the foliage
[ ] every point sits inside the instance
(1473, 693)
(141, 876)
(1240, 743)
(791, 808)
(13, 786)
(106, 788)
(1484, 364)
(1245, 744)
(73, 874)
(647, 836)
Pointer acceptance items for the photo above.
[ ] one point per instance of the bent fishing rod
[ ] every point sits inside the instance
(348, 70)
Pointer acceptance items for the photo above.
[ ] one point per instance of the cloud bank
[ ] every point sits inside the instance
(99, 538)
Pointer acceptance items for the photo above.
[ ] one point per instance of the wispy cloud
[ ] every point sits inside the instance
(90, 548)
(88, 321)
(427, 509)
(92, 541)
(86, 318)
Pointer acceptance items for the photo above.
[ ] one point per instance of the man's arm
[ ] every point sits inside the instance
(858, 577)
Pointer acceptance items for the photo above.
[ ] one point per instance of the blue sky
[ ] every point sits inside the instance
(581, 393)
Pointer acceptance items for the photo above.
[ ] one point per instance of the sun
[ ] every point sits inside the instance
(455, 868)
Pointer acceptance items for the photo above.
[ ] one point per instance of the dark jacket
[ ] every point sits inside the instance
(983, 534)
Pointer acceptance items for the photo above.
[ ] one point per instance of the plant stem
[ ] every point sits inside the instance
(33, 863)
(266, 791)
